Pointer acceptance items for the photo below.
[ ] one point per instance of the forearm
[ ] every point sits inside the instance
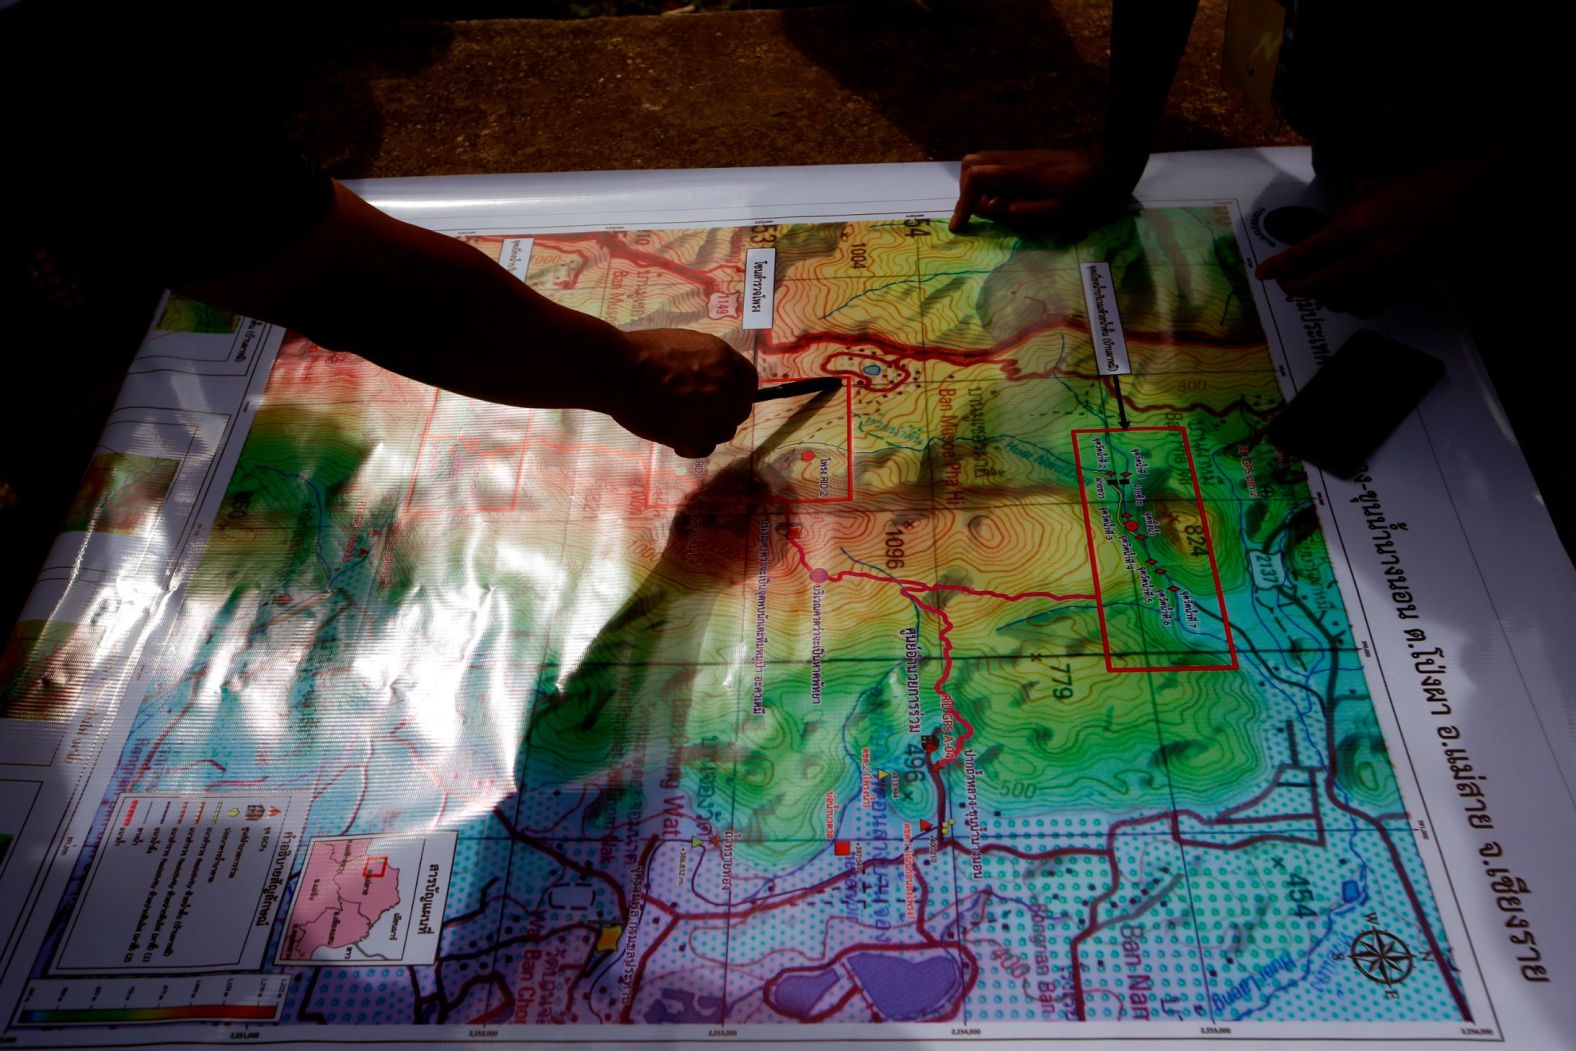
(429, 307)
(1148, 38)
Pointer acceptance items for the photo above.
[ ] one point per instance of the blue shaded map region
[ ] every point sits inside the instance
(682, 1005)
(797, 994)
(907, 990)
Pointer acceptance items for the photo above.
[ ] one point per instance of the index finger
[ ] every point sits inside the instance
(976, 180)
(967, 199)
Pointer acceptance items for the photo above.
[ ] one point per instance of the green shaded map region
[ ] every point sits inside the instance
(947, 698)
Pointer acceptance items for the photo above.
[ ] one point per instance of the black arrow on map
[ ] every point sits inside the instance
(1121, 409)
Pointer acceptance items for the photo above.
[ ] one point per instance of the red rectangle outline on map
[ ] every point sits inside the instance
(1209, 550)
(848, 409)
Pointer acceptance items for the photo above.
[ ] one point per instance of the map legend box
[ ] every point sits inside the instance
(184, 883)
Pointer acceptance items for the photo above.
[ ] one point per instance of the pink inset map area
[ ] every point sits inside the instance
(344, 892)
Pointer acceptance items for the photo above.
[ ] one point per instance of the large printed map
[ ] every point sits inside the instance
(974, 692)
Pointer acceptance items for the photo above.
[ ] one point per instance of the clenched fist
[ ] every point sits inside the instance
(686, 390)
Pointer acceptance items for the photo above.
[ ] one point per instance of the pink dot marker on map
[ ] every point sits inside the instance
(818, 575)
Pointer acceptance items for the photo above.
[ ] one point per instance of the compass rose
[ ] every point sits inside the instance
(1381, 957)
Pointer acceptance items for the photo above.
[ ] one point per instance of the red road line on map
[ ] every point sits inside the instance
(980, 356)
(952, 356)
(909, 590)
(617, 249)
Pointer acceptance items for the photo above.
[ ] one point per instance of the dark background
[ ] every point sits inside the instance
(520, 87)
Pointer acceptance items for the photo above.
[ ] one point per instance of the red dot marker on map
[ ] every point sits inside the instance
(1132, 525)
(807, 456)
(841, 848)
(818, 575)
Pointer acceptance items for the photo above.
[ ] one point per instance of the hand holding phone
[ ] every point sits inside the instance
(1354, 402)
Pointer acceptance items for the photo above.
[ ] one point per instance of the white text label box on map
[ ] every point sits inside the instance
(185, 883)
(373, 899)
(1105, 324)
(515, 255)
(760, 286)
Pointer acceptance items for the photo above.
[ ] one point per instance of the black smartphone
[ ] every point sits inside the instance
(1354, 402)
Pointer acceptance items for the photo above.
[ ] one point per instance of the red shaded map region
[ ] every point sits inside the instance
(345, 891)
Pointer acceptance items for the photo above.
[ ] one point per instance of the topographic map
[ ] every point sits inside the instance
(975, 692)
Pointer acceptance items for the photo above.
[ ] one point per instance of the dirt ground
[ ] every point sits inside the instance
(832, 85)
(878, 80)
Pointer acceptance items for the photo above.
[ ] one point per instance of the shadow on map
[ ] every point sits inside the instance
(654, 632)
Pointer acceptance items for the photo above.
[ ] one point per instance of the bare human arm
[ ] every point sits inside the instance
(1394, 233)
(1057, 187)
(434, 309)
